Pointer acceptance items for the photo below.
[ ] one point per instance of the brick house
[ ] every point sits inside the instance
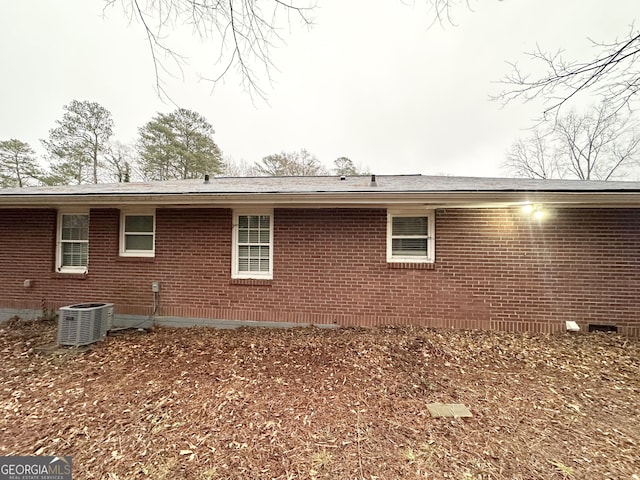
(507, 254)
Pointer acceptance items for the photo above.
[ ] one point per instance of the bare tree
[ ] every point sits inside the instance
(598, 145)
(284, 164)
(238, 168)
(534, 157)
(121, 163)
(602, 144)
(246, 30)
(345, 166)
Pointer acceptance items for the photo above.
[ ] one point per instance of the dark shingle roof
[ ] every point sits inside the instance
(328, 191)
(330, 184)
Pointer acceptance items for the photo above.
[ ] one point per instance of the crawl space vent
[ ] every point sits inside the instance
(602, 328)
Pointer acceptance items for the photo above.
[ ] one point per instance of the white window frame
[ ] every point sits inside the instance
(235, 267)
(431, 236)
(59, 242)
(137, 253)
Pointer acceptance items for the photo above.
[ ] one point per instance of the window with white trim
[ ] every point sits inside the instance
(137, 234)
(72, 254)
(252, 254)
(410, 236)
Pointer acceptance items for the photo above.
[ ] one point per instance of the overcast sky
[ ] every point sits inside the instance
(369, 81)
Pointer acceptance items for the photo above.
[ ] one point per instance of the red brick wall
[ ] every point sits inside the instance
(495, 268)
(27, 251)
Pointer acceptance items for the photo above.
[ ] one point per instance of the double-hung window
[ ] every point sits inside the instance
(72, 254)
(252, 254)
(410, 237)
(137, 234)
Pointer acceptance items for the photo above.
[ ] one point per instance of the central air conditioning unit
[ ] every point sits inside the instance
(84, 323)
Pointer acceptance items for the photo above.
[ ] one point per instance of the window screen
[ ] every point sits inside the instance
(254, 243)
(138, 234)
(73, 242)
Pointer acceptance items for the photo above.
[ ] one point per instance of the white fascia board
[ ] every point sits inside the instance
(334, 200)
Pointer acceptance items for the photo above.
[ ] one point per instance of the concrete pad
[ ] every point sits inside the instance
(456, 410)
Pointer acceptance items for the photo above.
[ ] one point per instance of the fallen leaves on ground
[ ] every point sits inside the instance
(314, 403)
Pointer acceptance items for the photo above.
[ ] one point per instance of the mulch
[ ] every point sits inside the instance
(313, 403)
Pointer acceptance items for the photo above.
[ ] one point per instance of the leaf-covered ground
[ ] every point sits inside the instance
(313, 403)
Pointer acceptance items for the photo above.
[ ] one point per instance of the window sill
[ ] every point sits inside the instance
(69, 275)
(411, 265)
(251, 281)
(130, 259)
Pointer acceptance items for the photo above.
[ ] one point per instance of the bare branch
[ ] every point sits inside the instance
(245, 31)
(613, 76)
(442, 11)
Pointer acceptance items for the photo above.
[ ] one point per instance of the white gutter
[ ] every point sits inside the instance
(332, 199)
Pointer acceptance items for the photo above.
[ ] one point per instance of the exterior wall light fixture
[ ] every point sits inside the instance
(527, 209)
(534, 210)
(538, 214)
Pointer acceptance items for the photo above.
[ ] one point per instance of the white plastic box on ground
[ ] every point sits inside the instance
(84, 323)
